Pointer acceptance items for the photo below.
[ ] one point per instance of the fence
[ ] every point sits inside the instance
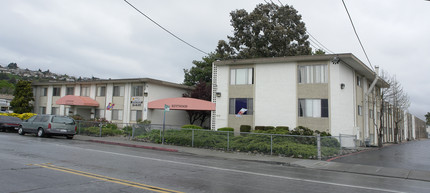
(309, 147)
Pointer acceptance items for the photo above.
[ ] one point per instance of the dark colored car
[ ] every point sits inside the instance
(49, 125)
(9, 123)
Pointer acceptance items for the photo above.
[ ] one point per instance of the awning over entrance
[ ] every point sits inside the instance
(77, 101)
(183, 103)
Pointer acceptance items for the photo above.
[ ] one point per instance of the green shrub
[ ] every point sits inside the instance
(245, 128)
(226, 129)
(282, 128)
(259, 128)
(268, 128)
(323, 134)
(300, 130)
(191, 127)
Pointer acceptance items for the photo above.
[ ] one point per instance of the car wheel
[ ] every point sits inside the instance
(40, 132)
(21, 131)
(69, 136)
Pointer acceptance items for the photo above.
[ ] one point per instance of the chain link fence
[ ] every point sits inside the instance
(298, 146)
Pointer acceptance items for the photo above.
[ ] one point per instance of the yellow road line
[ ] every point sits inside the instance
(106, 178)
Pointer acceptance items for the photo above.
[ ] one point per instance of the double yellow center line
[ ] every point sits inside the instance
(106, 178)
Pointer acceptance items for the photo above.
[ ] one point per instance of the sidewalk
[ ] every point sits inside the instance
(311, 164)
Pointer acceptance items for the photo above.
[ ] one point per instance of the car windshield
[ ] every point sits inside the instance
(65, 120)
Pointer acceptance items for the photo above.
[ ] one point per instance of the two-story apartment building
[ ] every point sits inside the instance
(119, 100)
(331, 93)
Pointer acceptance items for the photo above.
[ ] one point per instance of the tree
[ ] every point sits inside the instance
(202, 71)
(427, 118)
(400, 102)
(383, 109)
(12, 66)
(202, 91)
(23, 96)
(268, 31)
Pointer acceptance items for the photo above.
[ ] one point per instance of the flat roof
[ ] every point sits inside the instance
(117, 81)
(347, 58)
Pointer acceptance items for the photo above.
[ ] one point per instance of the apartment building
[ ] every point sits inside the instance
(333, 93)
(116, 100)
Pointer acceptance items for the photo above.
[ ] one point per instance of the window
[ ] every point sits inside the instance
(42, 110)
(55, 111)
(136, 115)
(85, 91)
(312, 74)
(359, 110)
(100, 113)
(358, 81)
(70, 91)
(44, 91)
(371, 114)
(242, 76)
(137, 91)
(117, 114)
(236, 104)
(118, 91)
(101, 91)
(56, 91)
(313, 107)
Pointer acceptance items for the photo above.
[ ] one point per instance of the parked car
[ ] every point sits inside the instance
(49, 125)
(8, 123)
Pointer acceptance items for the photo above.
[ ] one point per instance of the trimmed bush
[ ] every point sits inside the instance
(191, 127)
(245, 128)
(259, 128)
(282, 128)
(300, 130)
(268, 128)
(226, 129)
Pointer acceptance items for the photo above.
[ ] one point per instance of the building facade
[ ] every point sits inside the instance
(120, 101)
(333, 93)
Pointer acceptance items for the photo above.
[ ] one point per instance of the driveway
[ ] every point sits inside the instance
(408, 155)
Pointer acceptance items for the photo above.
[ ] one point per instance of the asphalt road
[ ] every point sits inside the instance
(31, 164)
(409, 155)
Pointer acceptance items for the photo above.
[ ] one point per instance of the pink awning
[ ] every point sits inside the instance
(77, 101)
(183, 103)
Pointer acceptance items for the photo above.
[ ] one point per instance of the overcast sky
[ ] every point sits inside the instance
(109, 39)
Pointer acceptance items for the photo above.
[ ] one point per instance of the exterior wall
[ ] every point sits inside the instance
(222, 80)
(342, 101)
(276, 95)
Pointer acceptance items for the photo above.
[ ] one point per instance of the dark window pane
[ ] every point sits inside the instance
(324, 107)
(240, 103)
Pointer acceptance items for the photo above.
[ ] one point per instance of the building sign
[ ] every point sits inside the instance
(179, 106)
(136, 101)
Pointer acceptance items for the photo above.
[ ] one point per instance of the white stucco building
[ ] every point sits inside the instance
(120, 100)
(333, 93)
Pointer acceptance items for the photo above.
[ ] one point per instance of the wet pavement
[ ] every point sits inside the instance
(412, 155)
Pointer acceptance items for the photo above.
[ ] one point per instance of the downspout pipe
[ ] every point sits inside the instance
(366, 103)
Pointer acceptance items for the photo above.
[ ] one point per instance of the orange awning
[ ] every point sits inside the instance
(77, 101)
(183, 103)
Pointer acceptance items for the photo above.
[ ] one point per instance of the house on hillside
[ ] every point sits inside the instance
(333, 93)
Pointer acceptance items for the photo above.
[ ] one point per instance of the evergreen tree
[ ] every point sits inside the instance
(23, 96)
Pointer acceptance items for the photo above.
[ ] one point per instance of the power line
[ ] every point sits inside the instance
(356, 34)
(319, 43)
(165, 29)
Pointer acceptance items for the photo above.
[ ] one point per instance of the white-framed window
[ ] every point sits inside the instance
(118, 91)
(359, 81)
(85, 91)
(236, 104)
(359, 110)
(117, 114)
(100, 113)
(70, 91)
(313, 107)
(312, 74)
(42, 110)
(136, 115)
(55, 111)
(44, 91)
(101, 91)
(242, 76)
(137, 90)
(56, 91)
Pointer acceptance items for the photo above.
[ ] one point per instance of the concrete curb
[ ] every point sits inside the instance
(136, 146)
